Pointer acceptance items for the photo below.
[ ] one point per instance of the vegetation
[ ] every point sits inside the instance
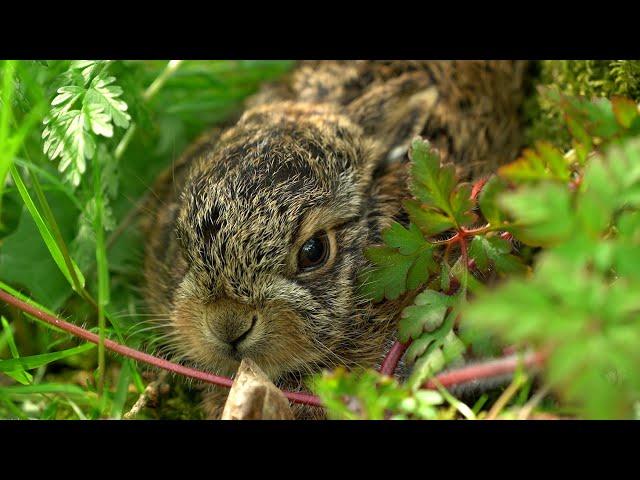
(110, 128)
(543, 256)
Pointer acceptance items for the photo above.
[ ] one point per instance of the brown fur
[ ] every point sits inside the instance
(315, 152)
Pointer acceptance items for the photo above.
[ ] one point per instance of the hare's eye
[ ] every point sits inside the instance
(314, 253)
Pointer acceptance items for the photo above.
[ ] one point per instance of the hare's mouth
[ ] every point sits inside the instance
(218, 336)
(277, 361)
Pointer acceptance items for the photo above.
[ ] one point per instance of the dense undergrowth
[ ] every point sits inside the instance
(543, 256)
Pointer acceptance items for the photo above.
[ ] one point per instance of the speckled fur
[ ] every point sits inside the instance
(323, 150)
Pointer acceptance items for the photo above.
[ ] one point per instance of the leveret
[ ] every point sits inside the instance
(257, 238)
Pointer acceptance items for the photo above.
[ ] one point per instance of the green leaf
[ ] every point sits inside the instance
(431, 183)
(583, 139)
(36, 361)
(388, 278)
(364, 395)
(89, 106)
(25, 378)
(426, 314)
(597, 197)
(435, 356)
(419, 272)
(477, 252)
(44, 231)
(406, 241)
(494, 250)
(43, 388)
(433, 351)
(589, 323)
(553, 160)
(544, 163)
(429, 221)
(392, 272)
(625, 110)
(542, 214)
(122, 389)
(106, 94)
(461, 204)
(588, 119)
(445, 277)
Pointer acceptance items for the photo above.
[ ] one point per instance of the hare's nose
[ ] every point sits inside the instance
(234, 342)
(235, 330)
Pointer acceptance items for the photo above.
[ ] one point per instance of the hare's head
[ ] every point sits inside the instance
(272, 225)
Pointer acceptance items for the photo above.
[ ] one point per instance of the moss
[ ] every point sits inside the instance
(588, 78)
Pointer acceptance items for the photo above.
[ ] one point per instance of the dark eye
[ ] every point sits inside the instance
(314, 252)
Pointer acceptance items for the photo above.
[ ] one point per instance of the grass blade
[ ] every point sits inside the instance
(120, 397)
(25, 378)
(35, 361)
(46, 234)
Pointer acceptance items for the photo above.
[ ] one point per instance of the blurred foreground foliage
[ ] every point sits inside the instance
(545, 257)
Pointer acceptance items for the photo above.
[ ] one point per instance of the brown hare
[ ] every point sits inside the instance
(257, 240)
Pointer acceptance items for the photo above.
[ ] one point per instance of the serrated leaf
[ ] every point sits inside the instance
(542, 214)
(495, 250)
(100, 122)
(433, 351)
(478, 253)
(544, 163)
(388, 278)
(528, 167)
(583, 139)
(434, 357)
(407, 241)
(393, 273)
(461, 205)
(68, 132)
(429, 221)
(554, 160)
(426, 314)
(107, 95)
(419, 272)
(431, 183)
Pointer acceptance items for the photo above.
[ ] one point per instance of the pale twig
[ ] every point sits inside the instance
(526, 410)
(150, 394)
(506, 396)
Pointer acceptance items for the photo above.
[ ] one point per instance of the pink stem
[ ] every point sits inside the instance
(296, 397)
(478, 371)
(488, 369)
(390, 362)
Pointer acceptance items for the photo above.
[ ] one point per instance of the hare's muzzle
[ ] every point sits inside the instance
(233, 326)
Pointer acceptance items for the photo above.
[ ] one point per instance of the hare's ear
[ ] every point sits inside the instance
(396, 111)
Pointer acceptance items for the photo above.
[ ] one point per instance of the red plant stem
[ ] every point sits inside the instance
(491, 368)
(477, 371)
(464, 252)
(477, 188)
(390, 362)
(297, 397)
(462, 234)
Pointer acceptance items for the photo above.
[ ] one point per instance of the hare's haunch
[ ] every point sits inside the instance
(255, 246)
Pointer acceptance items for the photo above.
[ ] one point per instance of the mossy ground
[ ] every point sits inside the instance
(588, 78)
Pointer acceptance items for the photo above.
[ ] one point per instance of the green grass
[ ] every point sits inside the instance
(58, 246)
